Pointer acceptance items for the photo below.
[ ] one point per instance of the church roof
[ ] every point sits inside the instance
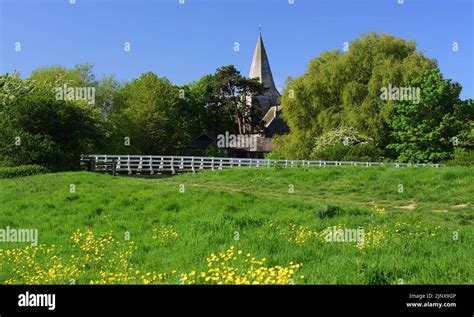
(261, 68)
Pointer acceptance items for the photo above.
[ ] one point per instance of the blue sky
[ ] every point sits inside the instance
(185, 42)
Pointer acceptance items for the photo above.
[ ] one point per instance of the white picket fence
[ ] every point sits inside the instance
(150, 164)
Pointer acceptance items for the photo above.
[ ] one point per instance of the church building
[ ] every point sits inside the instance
(269, 103)
(269, 110)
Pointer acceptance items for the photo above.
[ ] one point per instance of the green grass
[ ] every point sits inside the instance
(218, 206)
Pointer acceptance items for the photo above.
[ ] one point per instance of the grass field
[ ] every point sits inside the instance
(242, 226)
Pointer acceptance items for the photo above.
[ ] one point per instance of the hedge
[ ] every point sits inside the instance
(20, 171)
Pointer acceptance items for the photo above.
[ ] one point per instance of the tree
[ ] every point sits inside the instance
(430, 130)
(107, 97)
(231, 92)
(343, 89)
(52, 76)
(220, 102)
(208, 112)
(154, 118)
(37, 128)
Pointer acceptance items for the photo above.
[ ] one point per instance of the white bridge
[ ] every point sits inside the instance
(151, 164)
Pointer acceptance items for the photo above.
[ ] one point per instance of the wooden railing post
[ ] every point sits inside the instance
(151, 165)
(101, 163)
(114, 167)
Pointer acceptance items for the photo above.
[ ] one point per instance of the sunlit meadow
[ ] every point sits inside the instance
(242, 226)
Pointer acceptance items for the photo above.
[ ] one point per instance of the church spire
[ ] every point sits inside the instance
(261, 67)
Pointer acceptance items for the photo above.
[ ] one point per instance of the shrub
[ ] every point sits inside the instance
(341, 152)
(342, 135)
(330, 212)
(21, 171)
(462, 157)
(214, 151)
(274, 155)
(345, 144)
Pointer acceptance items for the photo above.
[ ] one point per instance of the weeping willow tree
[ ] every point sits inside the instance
(344, 89)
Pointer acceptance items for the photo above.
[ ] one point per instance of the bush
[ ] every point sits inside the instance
(462, 157)
(214, 151)
(341, 152)
(342, 135)
(330, 212)
(21, 171)
(274, 155)
(345, 144)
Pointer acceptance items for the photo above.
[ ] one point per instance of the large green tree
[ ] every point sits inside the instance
(233, 92)
(220, 102)
(153, 118)
(52, 76)
(37, 128)
(343, 89)
(429, 129)
(209, 112)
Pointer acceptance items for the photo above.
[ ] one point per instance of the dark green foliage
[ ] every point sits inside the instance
(20, 171)
(222, 102)
(214, 151)
(210, 115)
(37, 128)
(430, 130)
(330, 212)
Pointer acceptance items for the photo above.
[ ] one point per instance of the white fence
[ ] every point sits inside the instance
(150, 164)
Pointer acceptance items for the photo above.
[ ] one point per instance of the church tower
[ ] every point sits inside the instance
(261, 69)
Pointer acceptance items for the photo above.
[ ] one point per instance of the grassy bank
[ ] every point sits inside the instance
(268, 225)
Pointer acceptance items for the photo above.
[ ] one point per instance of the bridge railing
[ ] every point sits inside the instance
(157, 164)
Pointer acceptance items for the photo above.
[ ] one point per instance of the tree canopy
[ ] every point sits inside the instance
(346, 106)
(430, 130)
(37, 128)
(344, 89)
